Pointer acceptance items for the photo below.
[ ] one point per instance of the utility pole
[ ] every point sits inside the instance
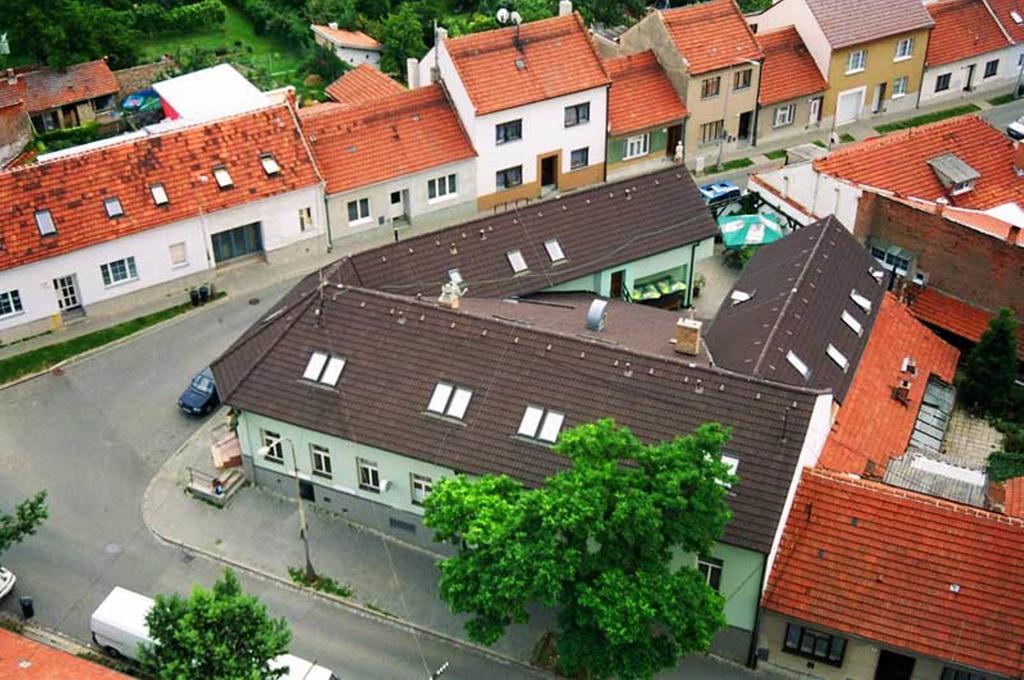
(303, 528)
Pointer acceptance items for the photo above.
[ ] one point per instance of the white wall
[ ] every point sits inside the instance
(544, 131)
(1007, 73)
(357, 56)
(799, 191)
(796, 13)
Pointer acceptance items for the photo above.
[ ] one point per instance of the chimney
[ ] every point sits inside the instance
(441, 34)
(564, 8)
(1014, 235)
(1018, 158)
(901, 392)
(11, 77)
(412, 73)
(688, 336)
(451, 295)
(940, 205)
(333, 25)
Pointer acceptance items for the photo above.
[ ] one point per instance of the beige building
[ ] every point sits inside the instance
(719, 86)
(871, 53)
(792, 88)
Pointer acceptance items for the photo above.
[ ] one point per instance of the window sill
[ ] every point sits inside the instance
(514, 186)
(369, 489)
(451, 420)
(854, 72)
(508, 141)
(899, 59)
(125, 282)
(741, 89)
(11, 315)
(827, 662)
(899, 96)
(275, 461)
(323, 475)
(577, 124)
(776, 126)
(441, 199)
(579, 167)
(361, 221)
(709, 97)
(179, 265)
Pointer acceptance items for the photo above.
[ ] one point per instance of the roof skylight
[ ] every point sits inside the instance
(269, 163)
(515, 259)
(220, 173)
(1015, 15)
(795, 361)
(542, 424)
(852, 323)
(159, 194)
(838, 357)
(554, 249)
(733, 464)
(324, 369)
(860, 300)
(113, 206)
(44, 221)
(454, 276)
(448, 400)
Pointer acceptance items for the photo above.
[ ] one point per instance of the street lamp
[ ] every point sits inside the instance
(303, 528)
(725, 111)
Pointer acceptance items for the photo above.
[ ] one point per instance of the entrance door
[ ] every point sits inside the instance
(743, 133)
(893, 666)
(618, 282)
(849, 106)
(67, 293)
(306, 490)
(675, 135)
(397, 205)
(879, 98)
(815, 111)
(237, 242)
(548, 176)
(970, 78)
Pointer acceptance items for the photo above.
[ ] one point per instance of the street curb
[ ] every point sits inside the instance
(355, 607)
(88, 354)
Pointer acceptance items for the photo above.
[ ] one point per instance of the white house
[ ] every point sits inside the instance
(534, 101)
(152, 216)
(354, 47)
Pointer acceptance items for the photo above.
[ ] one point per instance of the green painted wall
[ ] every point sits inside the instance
(392, 466)
(657, 147)
(742, 573)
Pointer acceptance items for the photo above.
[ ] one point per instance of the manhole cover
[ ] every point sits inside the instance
(113, 548)
(187, 557)
(254, 301)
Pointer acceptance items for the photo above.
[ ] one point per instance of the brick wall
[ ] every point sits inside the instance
(982, 270)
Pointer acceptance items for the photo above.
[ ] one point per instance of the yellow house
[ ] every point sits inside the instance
(871, 52)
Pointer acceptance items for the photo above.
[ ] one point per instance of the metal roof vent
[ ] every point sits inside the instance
(596, 315)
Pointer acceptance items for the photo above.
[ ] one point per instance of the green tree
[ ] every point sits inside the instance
(987, 382)
(402, 37)
(220, 633)
(598, 542)
(64, 32)
(325, 11)
(27, 517)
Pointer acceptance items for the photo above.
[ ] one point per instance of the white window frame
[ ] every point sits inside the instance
(554, 250)
(181, 261)
(541, 424)
(708, 566)
(784, 115)
(130, 271)
(904, 49)
(159, 193)
(112, 206)
(636, 146)
(449, 400)
(45, 223)
(517, 261)
(12, 300)
(223, 177)
(861, 62)
(274, 444)
(900, 87)
(575, 110)
(518, 169)
(270, 164)
(320, 459)
(362, 209)
(443, 188)
(324, 368)
(371, 482)
(420, 487)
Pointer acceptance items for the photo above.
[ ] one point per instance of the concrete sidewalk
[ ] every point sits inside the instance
(259, 531)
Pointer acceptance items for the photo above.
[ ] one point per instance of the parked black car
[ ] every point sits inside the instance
(200, 397)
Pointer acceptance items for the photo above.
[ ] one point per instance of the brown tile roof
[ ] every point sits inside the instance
(963, 29)
(711, 35)
(557, 59)
(788, 70)
(1014, 489)
(641, 95)
(1004, 9)
(389, 137)
(398, 348)
(845, 24)
(951, 314)
(356, 39)
(73, 187)
(898, 162)
(25, 659)
(872, 425)
(799, 288)
(41, 89)
(916, 573)
(364, 83)
(664, 211)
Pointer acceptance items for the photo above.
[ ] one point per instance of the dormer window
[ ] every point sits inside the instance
(113, 207)
(860, 301)
(44, 222)
(220, 173)
(554, 249)
(159, 194)
(324, 369)
(269, 163)
(962, 187)
(516, 261)
(449, 400)
(955, 175)
(541, 423)
(835, 355)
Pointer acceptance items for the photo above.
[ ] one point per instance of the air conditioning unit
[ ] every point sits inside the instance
(385, 485)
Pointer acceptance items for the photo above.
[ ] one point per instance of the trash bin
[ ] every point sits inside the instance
(204, 294)
(28, 609)
(193, 295)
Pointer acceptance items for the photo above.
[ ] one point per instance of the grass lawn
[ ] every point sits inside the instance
(734, 164)
(265, 51)
(847, 137)
(40, 359)
(818, 142)
(926, 118)
(776, 155)
(1002, 99)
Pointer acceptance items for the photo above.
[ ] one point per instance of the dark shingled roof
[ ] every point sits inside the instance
(397, 349)
(800, 287)
(597, 229)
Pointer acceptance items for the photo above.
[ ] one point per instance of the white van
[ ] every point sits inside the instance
(119, 628)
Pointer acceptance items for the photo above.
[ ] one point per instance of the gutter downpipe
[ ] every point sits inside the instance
(756, 634)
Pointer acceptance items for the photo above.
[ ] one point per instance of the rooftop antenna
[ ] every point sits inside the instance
(506, 17)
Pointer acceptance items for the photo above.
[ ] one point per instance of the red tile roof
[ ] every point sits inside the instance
(963, 29)
(953, 315)
(24, 659)
(789, 70)
(898, 162)
(711, 35)
(1003, 9)
(871, 425)
(364, 83)
(1014, 490)
(557, 59)
(918, 573)
(73, 187)
(41, 89)
(356, 39)
(393, 136)
(641, 95)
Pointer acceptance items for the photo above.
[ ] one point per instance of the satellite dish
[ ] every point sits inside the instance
(516, 18)
(502, 16)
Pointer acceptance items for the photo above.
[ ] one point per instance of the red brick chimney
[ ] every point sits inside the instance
(1013, 235)
(940, 205)
(1018, 158)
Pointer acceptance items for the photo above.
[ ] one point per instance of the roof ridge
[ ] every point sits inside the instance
(899, 136)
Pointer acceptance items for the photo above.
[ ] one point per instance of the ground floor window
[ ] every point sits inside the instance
(634, 147)
(942, 82)
(321, 456)
(369, 475)
(359, 211)
(509, 177)
(784, 115)
(10, 303)
(271, 442)
(305, 219)
(119, 271)
(711, 569)
(580, 158)
(991, 68)
(237, 242)
(899, 86)
(441, 187)
(814, 644)
(960, 674)
(421, 487)
(712, 132)
(179, 254)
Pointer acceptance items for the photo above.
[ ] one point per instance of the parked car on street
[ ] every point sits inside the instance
(720, 192)
(7, 579)
(200, 397)
(1016, 129)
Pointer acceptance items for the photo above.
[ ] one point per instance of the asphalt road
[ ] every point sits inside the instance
(94, 436)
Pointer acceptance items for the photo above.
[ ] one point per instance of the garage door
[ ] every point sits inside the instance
(849, 106)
